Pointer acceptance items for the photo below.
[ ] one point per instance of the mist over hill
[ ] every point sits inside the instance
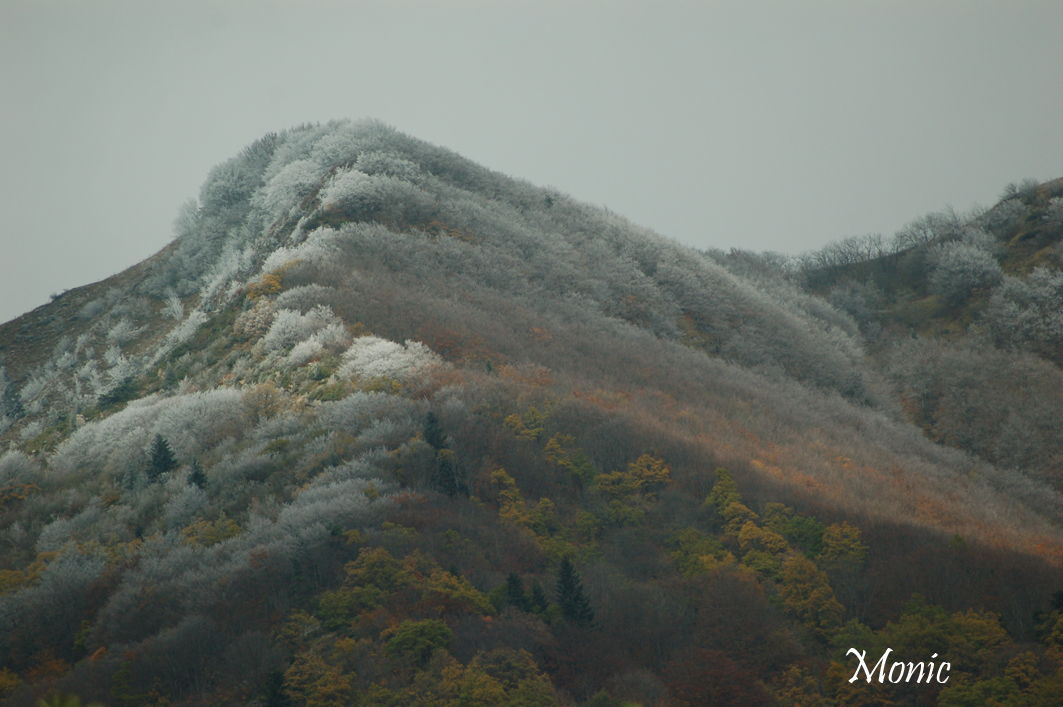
(382, 426)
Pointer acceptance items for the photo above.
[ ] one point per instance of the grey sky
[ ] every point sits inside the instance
(765, 125)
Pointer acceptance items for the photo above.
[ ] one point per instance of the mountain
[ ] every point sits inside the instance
(382, 426)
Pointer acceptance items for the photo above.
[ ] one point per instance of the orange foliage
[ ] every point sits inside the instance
(527, 374)
(445, 230)
(456, 345)
(16, 492)
(606, 400)
(268, 284)
(47, 666)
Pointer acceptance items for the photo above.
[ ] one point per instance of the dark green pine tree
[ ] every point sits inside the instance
(539, 601)
(515, 595)
(445, 475)
(170, 380)
(570, 597)
(162, 458)
(433, 433)
(197, 477)
(275, 694)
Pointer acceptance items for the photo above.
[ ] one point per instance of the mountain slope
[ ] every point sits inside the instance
(963, 314)
(238, 470)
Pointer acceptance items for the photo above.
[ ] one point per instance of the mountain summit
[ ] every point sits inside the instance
(378, 418)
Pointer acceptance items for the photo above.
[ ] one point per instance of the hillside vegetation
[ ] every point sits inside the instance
(964, 313)
(383, 427)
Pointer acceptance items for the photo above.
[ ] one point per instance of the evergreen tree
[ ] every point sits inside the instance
(121, 393)
(445, 475)
(570, 597)
(539, 601)
(197, 477)
(162, 458)
(275, 694)
(170, 380)
(433, 433)
(515, 595)
(10, 401)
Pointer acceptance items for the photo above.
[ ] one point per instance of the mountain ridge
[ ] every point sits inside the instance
(371, 360)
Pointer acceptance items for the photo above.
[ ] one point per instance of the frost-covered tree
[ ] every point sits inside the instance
(1053, 215)
(373, 357)
(960, 269)
(1028, 312)
(290, 326)
(1004, 216)
(284, 192)
(927, 230)
(1024, 189)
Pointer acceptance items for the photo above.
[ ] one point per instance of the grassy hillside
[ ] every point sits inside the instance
(381, 426)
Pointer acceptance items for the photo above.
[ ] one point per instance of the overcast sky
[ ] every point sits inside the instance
(776, 125)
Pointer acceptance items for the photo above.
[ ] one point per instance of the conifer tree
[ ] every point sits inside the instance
(197, 477)
(162, 458)
(570, 597)
(275, 694)
(445, 476)
(515, 595)
(539, 601)
(170, 380)
(433, 433)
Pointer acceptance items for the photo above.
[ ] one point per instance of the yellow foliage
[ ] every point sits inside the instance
(382, 384)
(696, 553)
(9, 682)
(528, 426)
(842, 542)
(397, 530)
(499, 678)
(650, 471)
(204, 533)
(1053, 634)
(555, 452)
(268, 284)
(737, 515)
(639, 481)
(1023, 669)
(117, 550)
(510, 500)
(724, 492)
(454, 594)
(807, 596)
(543, 519)
(752, 537)
(64, 700)
(765, 563)
(10, 580)
(469, 687)
(376, 566)
(797, 686)
(298, 629)
(314, 682)
(980, 630)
